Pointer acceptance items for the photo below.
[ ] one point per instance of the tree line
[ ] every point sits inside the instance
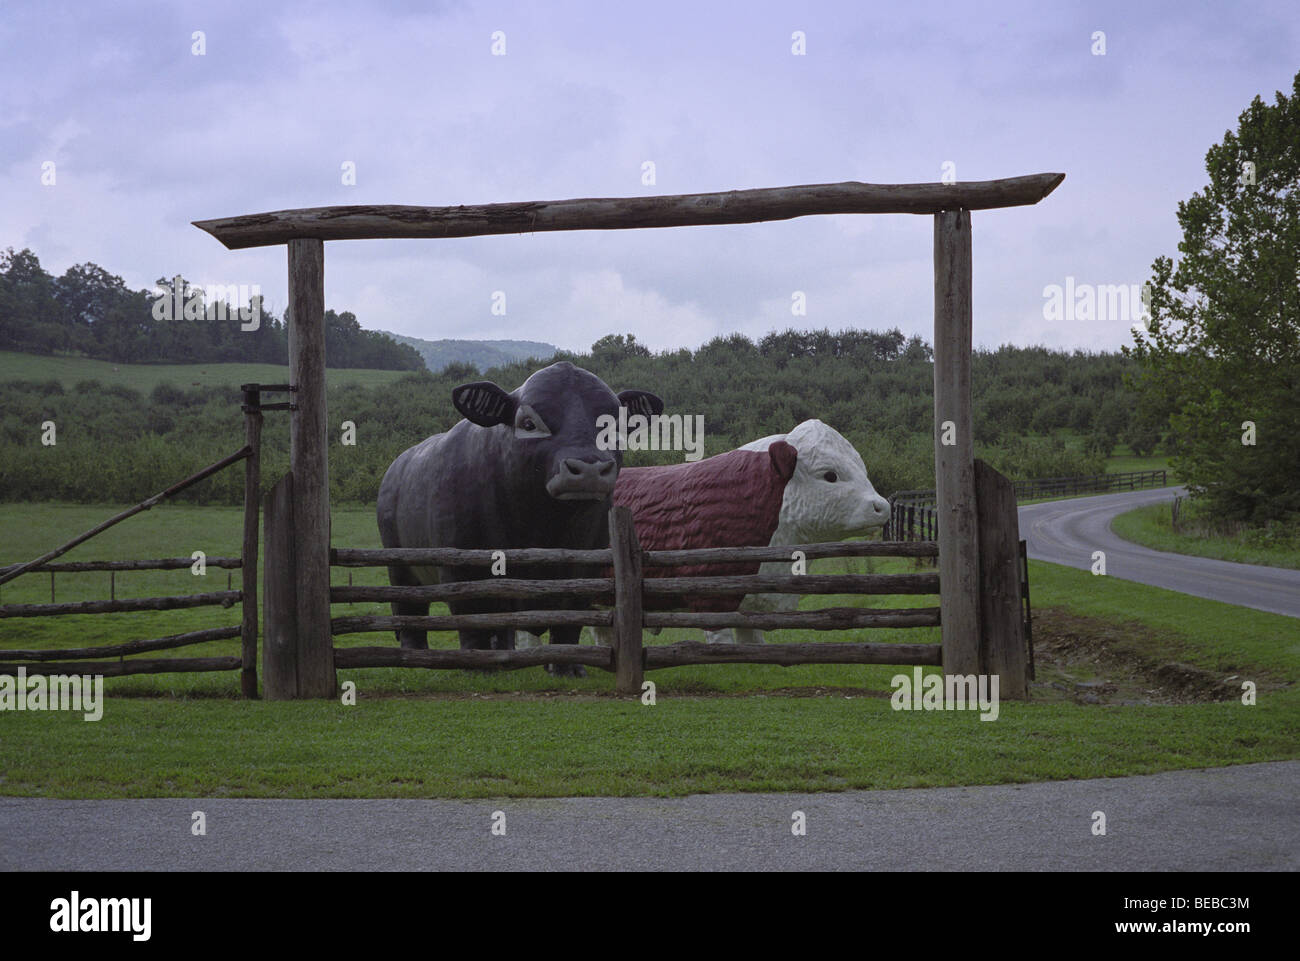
(1032, 406)
(91, 312)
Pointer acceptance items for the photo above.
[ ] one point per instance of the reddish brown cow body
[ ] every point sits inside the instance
(729, 500)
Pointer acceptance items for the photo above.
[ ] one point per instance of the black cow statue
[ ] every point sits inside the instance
(522, 470)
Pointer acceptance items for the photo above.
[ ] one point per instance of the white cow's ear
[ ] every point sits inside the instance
(484, 403)
(529, 424)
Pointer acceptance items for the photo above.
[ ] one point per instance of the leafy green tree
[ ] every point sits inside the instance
(1223, 347)
(615, 347)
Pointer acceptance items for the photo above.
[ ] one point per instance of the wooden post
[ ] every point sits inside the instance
(279, 596)
(308, 460)
(248, 569)
(1028, 612)
(1002, 628)
(629, 669)
(954, 468)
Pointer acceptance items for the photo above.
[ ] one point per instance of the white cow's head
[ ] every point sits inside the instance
(830, 496)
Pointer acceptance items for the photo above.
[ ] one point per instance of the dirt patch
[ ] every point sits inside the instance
(1093, 661)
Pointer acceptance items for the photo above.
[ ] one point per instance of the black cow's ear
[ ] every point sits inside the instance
(641, 402)
(484, 403)
(784, 457)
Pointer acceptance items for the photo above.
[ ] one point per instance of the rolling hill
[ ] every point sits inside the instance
(482, 354)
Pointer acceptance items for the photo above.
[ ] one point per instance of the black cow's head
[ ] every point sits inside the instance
(552, 418)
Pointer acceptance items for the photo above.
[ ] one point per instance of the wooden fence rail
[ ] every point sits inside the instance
(434, 556)
(162, 564)
(587, 655)
(497, 587)
(788, 655)
(224, 598)
(825, 619)
(519, 620)
(125, 648)
(723, 555)
(161, 665)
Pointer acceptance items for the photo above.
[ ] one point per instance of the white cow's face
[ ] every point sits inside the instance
(829, 497)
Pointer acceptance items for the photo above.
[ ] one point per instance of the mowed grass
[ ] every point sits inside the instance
(1152, 526)
(70, 371)
(1123, 460)
(523, 733)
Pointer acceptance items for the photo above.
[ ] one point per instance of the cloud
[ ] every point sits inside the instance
(148, 137)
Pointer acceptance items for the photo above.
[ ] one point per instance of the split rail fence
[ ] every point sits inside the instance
(637, 583)
(633, 586)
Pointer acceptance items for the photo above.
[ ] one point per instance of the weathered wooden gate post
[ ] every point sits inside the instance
(954, 456)
(309, 463)
(629, 669)
(279, 607)
(248, 554)
(1002, 626)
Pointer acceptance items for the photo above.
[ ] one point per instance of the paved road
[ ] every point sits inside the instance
(1067, 532)
(1228, 819)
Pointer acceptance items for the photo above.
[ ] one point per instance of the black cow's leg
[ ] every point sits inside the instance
(480, 640)
(566, 635)
(476, 640)
(409, 637)
(412, 637)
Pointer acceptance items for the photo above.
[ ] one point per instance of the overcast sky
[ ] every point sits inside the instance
(146, 136)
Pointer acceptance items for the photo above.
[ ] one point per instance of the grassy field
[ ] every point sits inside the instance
(1123, 460)
(1120, 463)
(524, 733)
(1278, 546)
(69, 371)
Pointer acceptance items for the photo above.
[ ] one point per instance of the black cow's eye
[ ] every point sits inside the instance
(831, 476)
(528, 424)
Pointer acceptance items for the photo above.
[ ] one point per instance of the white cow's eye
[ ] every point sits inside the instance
(831, 476)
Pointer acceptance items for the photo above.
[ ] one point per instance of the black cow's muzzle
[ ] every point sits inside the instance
(580, 480)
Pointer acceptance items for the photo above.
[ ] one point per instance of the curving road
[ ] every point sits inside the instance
(1067, 532)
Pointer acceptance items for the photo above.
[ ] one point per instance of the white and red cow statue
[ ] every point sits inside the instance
(829, 498)
(731, 500)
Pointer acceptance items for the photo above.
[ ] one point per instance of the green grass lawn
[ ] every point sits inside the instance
(1152, 527)
(1123, 460)
(69, 371)
(523, 733)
